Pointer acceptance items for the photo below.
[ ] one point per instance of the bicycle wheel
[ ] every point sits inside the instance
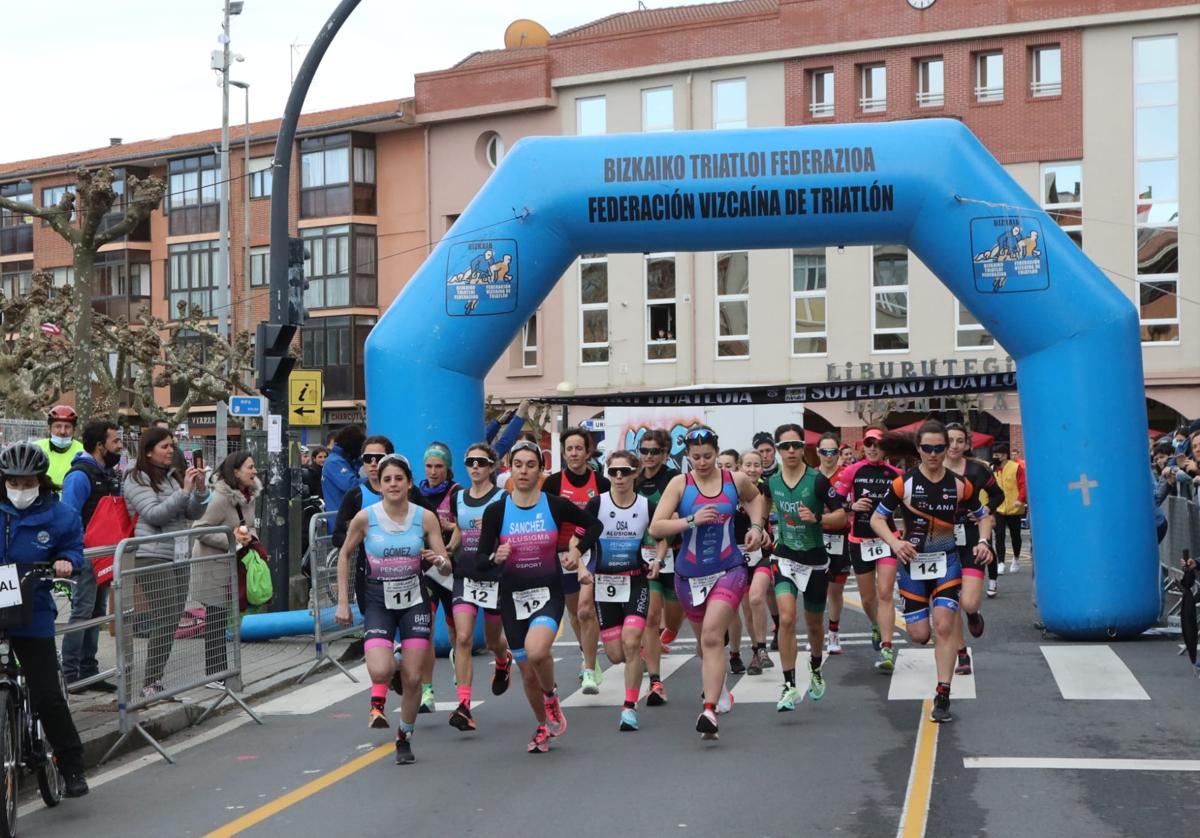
(10, 752)
(49, 778)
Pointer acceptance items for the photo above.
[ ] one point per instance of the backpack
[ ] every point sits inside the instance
(109, 524)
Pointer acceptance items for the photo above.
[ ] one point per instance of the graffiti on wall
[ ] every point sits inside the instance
(631, 438)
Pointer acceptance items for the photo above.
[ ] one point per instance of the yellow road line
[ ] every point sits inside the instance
(305, 791)
(856, 603)
(920, 778)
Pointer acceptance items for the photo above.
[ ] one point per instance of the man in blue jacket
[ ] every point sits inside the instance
(93, 476)
(341, 471)
(38, 528)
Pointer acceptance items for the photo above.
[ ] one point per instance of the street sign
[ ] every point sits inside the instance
(304, 397)
(247, 406)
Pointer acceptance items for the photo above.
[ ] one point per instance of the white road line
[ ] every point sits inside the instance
(318, 696)
(765, 688)
(1114, 764)
(612, 690)
(915, 678)
(1092, 672)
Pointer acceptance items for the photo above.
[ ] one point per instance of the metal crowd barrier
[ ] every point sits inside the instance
(1183, 533)
(178, 627)
(63, 629)
(321, 560)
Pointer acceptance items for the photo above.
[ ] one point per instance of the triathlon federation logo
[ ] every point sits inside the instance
(1009, 254)
(481, 277)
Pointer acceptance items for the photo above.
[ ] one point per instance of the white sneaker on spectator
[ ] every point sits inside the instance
(991, 588)
(1014, 566)
(1000, 568)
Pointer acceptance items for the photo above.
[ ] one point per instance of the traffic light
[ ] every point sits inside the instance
(297, 284)
(272, 357)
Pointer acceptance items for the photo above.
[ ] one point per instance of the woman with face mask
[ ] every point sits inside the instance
(39, 528)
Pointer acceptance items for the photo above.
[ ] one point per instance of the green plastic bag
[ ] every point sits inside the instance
(258, 578)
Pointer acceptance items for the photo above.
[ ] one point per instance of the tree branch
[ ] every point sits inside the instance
(142, 196)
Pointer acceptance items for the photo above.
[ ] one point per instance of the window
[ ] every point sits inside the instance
(51, 195)
(930, 83)
(335, 345)
(590, 117)
(658, 109)
(122, 283)
(874, 88)
(337, 175)
(191, 276)
(733, 304)
(16, 278)
(1062, 196)
(1045, 70)
(529, 343)
(260, 177)
(1156, 173)
(889, 310)
(989, 77)
(340, 268)
(821, 98)
(192, 195)
(593, 309)
(660, 307)
(260, 266)
(493, 149)
(16, 231)
(729, 103)
(62, 276)
(969, 333)
(808, 302)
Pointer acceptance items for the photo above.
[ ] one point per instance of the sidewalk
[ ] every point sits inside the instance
(267, 667)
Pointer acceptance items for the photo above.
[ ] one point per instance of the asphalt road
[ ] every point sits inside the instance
(844, 765)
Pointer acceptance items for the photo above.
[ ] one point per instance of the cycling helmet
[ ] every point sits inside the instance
(23, 459)
(63, 413)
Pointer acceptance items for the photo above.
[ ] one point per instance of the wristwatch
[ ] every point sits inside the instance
(691, 522)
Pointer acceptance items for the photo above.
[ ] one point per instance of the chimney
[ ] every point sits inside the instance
(112, 141)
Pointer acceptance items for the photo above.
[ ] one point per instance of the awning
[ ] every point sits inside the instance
(978, 440)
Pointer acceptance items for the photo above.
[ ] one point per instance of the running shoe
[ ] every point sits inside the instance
(756, 666)
(502, 677)
(975, 624)
(767, 663)
(725, 704)
(816, 685)
(462, 719)
(941, 709)
(1000, 568)
(556, 722)
(404, 754)
(599, 674)
(377, 719)
(735, 664)
(665, 648)
(991, 588)
(590, 685)
(964, 665)
(876, 638)
(787, 700)
(657, 696)
(540, 743)
(833, 643)
(453, 673)
(1014, 566)
(887, 660)
(398, 681)
(629, 719)
(706, 724)
(428, 704)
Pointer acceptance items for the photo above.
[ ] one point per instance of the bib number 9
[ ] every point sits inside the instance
(611, 588)
(927, 566)
(527, 603)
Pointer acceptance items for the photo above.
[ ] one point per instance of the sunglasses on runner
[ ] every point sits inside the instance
(478, 462)
(650, 452)
(525, 446)
(870, 443)
(621, 471)
(702, 435)
(790, 445)
(827, 452)
(372, 458)
(933, 449)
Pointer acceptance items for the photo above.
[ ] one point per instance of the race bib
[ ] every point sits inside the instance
(927, 566)
(649, 554)
(798, 573)
(446, 581)
(835, 543)
(702, 586)
(753, 558)
(875, 549)
(960, 535)
(402, 593)
(668, 564)
(611, 588)
(486, 594)
(529, 602)
(10, 586)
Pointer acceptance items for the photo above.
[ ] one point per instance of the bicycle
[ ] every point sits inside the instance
(23, 741)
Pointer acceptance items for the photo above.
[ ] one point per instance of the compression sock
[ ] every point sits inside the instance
(464, 694)
(631, 698)
(789, 677)
(379, 695)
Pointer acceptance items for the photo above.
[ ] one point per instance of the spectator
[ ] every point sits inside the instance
(61, 446)
(178, 463)
(38, 527)
(1010, 475)
(341, 471)
(163, 504)
(764, 444)
(513, 421)
(233, 490)
(312, 472)
(93, 476)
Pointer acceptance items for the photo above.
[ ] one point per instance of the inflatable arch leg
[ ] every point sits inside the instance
(927, 184)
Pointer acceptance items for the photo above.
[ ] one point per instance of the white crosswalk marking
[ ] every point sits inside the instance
(612, 690)
(1092, 672)
(316, 697)
(915, 678)
(761, 689)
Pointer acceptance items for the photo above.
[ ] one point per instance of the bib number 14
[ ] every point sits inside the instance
(927, 566)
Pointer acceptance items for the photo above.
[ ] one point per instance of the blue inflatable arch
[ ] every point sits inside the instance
(1073, 334)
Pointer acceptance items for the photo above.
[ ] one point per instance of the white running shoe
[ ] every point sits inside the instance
(1014, 566)
(833, 643)
(991, 588)
(1000, 568)
(726, 702)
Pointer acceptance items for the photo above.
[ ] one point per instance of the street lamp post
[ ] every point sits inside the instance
(245, 88)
